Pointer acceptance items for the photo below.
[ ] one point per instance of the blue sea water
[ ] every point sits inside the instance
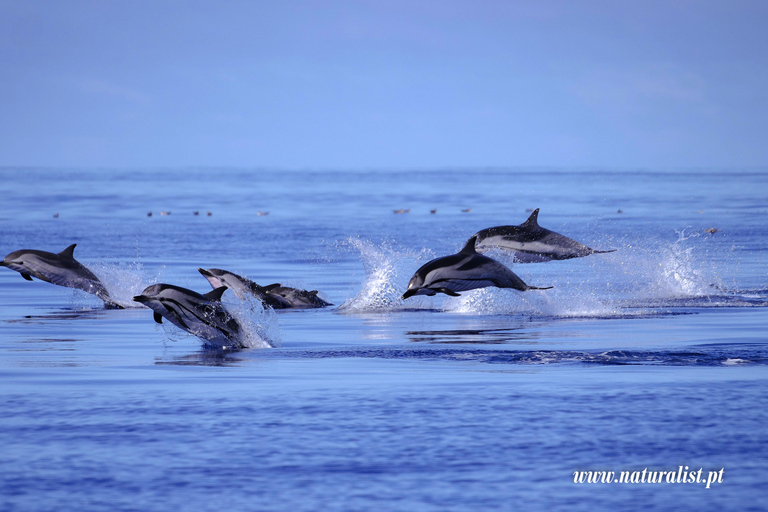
(651, 357)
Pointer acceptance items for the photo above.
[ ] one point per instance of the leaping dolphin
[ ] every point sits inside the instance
(201, 315)
(532, 243)
(61, 269)
(463, 271)
(275, 295)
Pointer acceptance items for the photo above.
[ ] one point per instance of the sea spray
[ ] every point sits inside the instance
(259, 324)
(124, 280)
(387, 271)
(683, 274)
(662, 271)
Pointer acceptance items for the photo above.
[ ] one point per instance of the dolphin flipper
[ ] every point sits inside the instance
(27, 277)
(158, 317)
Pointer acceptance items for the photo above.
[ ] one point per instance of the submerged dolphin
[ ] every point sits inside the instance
(201, 315)
(464, 271)
(61, 269)
(273, 295)
(532, 243)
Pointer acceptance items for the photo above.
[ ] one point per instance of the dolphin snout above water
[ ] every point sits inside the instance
(466, 270)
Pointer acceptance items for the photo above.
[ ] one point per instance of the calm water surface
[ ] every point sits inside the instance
(654, 356)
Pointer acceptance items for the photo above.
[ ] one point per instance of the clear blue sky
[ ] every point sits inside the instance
(384, 84)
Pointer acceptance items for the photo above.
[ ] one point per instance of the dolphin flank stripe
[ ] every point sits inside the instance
(180, 307)
(202, 319)
(471, 264)
(468, 279)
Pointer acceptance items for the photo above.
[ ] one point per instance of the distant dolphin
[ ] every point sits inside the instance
(201, 315)
(273, 295)
(61, 269)
(464, 271)
(531, 243)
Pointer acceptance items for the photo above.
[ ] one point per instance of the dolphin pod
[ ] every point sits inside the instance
(532, 243)
(206, 317)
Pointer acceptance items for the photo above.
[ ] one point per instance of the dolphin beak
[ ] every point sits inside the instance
(204, 272)
(410, 292)
(141, 298)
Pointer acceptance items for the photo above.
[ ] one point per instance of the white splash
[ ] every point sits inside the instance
(259, 324)
(387, 272)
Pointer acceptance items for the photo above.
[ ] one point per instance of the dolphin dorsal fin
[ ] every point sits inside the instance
(272, 286)
(533, 220)
(69, 252)
(216, 293)
(469, 247)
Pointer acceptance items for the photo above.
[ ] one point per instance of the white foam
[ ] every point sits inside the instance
(123, 281)
(259, 324)
(387, 272)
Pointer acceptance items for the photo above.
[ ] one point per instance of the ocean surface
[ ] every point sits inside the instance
(653, 357)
